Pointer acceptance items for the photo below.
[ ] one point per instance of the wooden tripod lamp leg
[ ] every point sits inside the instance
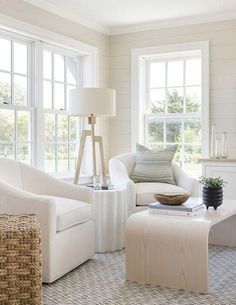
(100, 143)
(92, 121)
(80, 156)
(94, 139)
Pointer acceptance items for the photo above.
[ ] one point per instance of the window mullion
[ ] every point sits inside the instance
(12, 74)
(80, 73)
(164, 122)
(148, 89)
(184, 87)
(32, 138)
(166, 87)
(65, 83)
(166, 100)
(15, 133)
(53, 102)
(183, 119)
(56, 142)
(68, 142)
(183, 143)
(31, 104)
(39, 114)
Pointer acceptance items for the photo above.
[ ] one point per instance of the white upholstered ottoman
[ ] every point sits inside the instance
(172, 251)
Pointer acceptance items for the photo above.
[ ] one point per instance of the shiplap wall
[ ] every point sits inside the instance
(222, 39)
(33, 15)
(115, 66)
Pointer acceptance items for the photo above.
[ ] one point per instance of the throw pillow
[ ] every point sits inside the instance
(154, 166)
(140, 148)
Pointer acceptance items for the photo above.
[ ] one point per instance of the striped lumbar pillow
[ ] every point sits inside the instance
(154, 166)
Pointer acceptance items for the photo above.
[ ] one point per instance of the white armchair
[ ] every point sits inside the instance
(63, 210)
(141, 194)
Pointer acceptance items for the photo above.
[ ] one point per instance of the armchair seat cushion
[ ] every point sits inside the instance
(71, 212)
(146, 190)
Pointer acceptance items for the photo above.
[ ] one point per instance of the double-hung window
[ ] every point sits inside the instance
(170, 102)
(35, 80)
(61, 73)
(16, 104)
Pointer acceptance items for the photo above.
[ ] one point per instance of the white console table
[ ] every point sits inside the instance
(224, 168)
(110, 215)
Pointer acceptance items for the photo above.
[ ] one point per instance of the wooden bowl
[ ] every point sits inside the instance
(171, 198)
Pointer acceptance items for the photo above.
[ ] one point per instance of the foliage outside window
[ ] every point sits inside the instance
(61, 131)
(173, 109)
(15, 100)
(23, 115)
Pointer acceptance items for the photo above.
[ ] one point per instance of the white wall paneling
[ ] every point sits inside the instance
(222, 75)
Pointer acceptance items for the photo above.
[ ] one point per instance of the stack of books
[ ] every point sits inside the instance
(192, 207)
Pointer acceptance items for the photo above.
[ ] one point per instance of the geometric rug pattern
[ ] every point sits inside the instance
(101, 281)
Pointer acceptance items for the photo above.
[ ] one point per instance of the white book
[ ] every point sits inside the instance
(191, 205)
(178, 213)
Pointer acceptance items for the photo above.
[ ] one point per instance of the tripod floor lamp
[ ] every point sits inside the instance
(92, 103)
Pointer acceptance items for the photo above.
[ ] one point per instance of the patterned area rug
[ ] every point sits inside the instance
(101, 281)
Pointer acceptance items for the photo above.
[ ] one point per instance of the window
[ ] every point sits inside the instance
(35, 80)
(172, 103)
(60, 73)
(15, 100)
(173, 110)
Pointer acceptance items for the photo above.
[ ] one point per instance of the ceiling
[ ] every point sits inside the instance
(118, 16)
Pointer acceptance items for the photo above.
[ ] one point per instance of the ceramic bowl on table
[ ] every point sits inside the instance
(172, 198)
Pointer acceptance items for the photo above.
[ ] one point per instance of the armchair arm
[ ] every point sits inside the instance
(185, 181)
(118, 173)
(71, 191)
(67, 190)
(38, 182)
(15, 201)
(120, 179)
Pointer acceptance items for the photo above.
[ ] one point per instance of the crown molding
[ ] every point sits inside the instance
(29, 31)
(116, 30)
(72, 17)
(177, 22)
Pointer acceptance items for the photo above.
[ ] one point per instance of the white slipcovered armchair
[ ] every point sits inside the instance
(63, 210)
(141, 194)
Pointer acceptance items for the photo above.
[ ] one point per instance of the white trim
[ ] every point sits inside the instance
(138, 27)
(28, 30)
(41, 37)
(169, 23)
(69, 16)
(205, 99)
(29, 107)
(138, 57)
(39, 118)
(64, 111)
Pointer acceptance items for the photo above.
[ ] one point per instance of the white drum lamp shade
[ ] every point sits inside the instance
(100, 102)
(92, 103)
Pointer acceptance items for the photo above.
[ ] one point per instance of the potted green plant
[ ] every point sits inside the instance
(212, 191)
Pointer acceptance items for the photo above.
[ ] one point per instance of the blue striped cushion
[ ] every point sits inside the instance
(154, 166)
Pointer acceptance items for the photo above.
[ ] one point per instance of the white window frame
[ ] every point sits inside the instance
(79, 81)
(30, 89)
(39, 37)
(138, 79)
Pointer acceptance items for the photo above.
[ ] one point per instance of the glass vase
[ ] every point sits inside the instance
(213, 142)
(217, 149)
(97, 182)
(224, 145)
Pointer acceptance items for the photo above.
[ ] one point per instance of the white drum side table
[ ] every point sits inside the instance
(110, 215)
